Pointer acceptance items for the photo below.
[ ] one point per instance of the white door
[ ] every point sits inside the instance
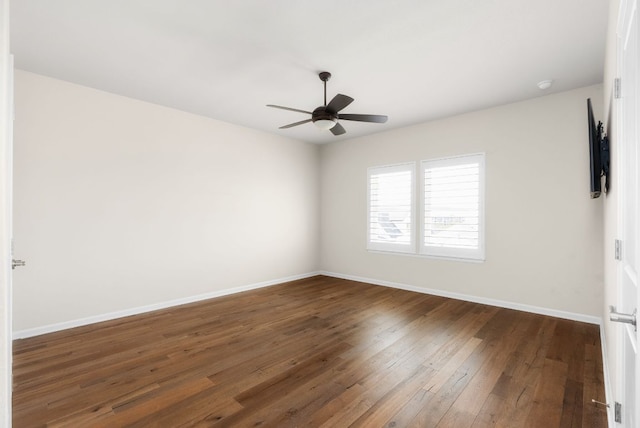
(628, 376)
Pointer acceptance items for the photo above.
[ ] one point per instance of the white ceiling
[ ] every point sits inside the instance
(413, 60)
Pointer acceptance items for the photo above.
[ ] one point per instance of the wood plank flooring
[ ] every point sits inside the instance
(320, 352)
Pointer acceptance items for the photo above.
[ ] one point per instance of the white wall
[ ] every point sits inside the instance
(122, 204)
(5, 218)
(544, 233)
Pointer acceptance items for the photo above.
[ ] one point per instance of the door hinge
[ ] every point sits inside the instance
(618, 253)
(617, 88)
(618, 412)
(17, 263)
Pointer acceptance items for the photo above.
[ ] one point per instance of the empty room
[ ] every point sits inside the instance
(287, 214)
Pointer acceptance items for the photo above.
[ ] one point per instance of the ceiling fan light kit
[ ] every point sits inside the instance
(325, 124)
(326, 116)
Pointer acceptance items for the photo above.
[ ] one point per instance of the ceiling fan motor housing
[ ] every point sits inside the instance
(321, 113)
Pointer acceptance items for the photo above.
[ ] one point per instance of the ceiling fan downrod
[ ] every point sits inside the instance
(324, 76)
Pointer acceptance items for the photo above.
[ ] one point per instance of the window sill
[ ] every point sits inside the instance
(426, 256)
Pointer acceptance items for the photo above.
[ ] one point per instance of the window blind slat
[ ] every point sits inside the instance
(391, 208)
(451, 204)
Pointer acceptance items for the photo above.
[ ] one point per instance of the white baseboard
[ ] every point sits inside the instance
(22, 334)
(475, 299)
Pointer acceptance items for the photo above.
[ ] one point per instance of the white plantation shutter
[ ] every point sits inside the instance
(453, 214)
(391, 208)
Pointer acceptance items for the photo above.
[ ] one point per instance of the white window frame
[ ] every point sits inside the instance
(391, 246)
(453, 252)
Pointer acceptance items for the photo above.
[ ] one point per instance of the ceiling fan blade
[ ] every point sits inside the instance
(338, 103)
(289, 108)
(337, 129)
(365, 117)
(291, 125)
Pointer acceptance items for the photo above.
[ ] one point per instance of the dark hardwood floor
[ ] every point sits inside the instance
(315, 352)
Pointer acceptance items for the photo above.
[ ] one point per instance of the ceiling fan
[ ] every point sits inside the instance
(326, 116)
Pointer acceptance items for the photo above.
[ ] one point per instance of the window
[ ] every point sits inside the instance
(453, 207)
(451, 201)
(391, 208)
